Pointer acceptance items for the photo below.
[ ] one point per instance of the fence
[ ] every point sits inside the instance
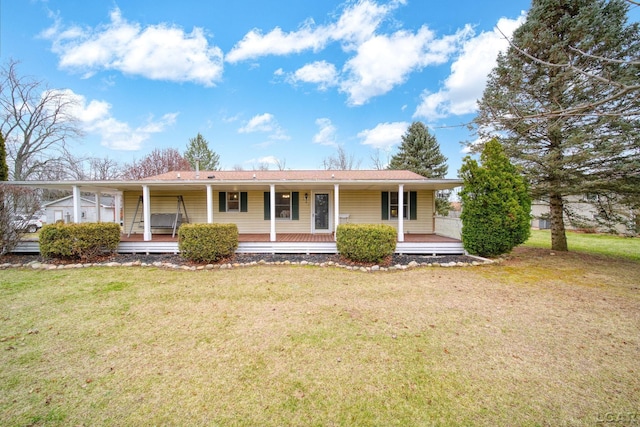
(449, 227)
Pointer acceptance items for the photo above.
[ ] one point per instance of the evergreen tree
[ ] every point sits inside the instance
(198, 150)
(496, 204)
(564, 100)
(420, 153)
(4, 169)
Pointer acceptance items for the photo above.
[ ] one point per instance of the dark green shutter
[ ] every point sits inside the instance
(267, 205)
(222, 201)
(244, 204)
(413, 205)
(295, 206)
(385, 205)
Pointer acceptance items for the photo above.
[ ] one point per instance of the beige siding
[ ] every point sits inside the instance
(365, 207)
(362, 207)
(195, 203)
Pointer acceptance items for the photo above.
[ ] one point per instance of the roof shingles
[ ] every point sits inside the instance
(293, 175)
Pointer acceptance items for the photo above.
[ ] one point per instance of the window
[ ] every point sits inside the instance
(283, 205)
(287, 205)
(233, 201)
(393, 205)
(390, 208)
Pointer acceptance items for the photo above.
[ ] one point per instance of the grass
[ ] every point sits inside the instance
(535, 340)
(603, 244)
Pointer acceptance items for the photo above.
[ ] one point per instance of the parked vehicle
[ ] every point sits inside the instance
(25, 223)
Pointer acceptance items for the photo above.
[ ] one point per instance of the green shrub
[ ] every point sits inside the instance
(495, 203)
(366, 242)
(85, 241)
(207, 242)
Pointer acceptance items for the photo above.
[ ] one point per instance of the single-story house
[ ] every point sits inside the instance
(102, 210)
(582, 213)
(275, 211)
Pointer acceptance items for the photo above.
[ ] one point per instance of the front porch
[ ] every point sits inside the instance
(306, 243)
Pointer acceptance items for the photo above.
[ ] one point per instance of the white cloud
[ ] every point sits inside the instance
(384, 135)
(321, 73)
(267, 160)
(95, 118)
(383, 62)
(357, 23)
(277, 42)
(469, 72)
(264, 123)
(378, 62)
(158, 52)
(260, 123)
(327, 133)
(360, 22)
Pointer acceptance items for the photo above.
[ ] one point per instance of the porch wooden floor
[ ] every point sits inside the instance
(293, 237)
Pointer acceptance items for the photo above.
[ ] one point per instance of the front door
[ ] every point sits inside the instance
(321, 212)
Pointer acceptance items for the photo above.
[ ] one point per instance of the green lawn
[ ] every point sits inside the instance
(536, 340)
(602, 244)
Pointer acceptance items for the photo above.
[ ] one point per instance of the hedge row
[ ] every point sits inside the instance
(207, 242)
(366, 242)
(85, 241)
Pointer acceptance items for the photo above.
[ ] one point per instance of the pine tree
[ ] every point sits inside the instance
(198, 151)
(420, 153)
(495, 203)
(564, 101)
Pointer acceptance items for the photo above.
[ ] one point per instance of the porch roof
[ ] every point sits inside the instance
(255, 180)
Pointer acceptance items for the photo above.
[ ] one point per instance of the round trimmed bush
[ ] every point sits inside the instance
(366, 242)
(79, 241)
(207, 242)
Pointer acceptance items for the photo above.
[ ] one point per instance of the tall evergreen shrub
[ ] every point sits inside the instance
(496, 206)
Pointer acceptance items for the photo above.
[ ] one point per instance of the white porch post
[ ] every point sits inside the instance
(98, 219)
(336, 209)
(401, 213)
(146, 212)
(272, 205)
(209, 204)
(117, 206)
(76, 204)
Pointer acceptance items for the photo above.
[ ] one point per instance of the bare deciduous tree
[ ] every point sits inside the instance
(281, 164)
(341, 160)
(36, 121)
(156, 163)
(380, 163)
(104, 169)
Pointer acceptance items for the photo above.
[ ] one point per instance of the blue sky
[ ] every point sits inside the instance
(262, 81)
